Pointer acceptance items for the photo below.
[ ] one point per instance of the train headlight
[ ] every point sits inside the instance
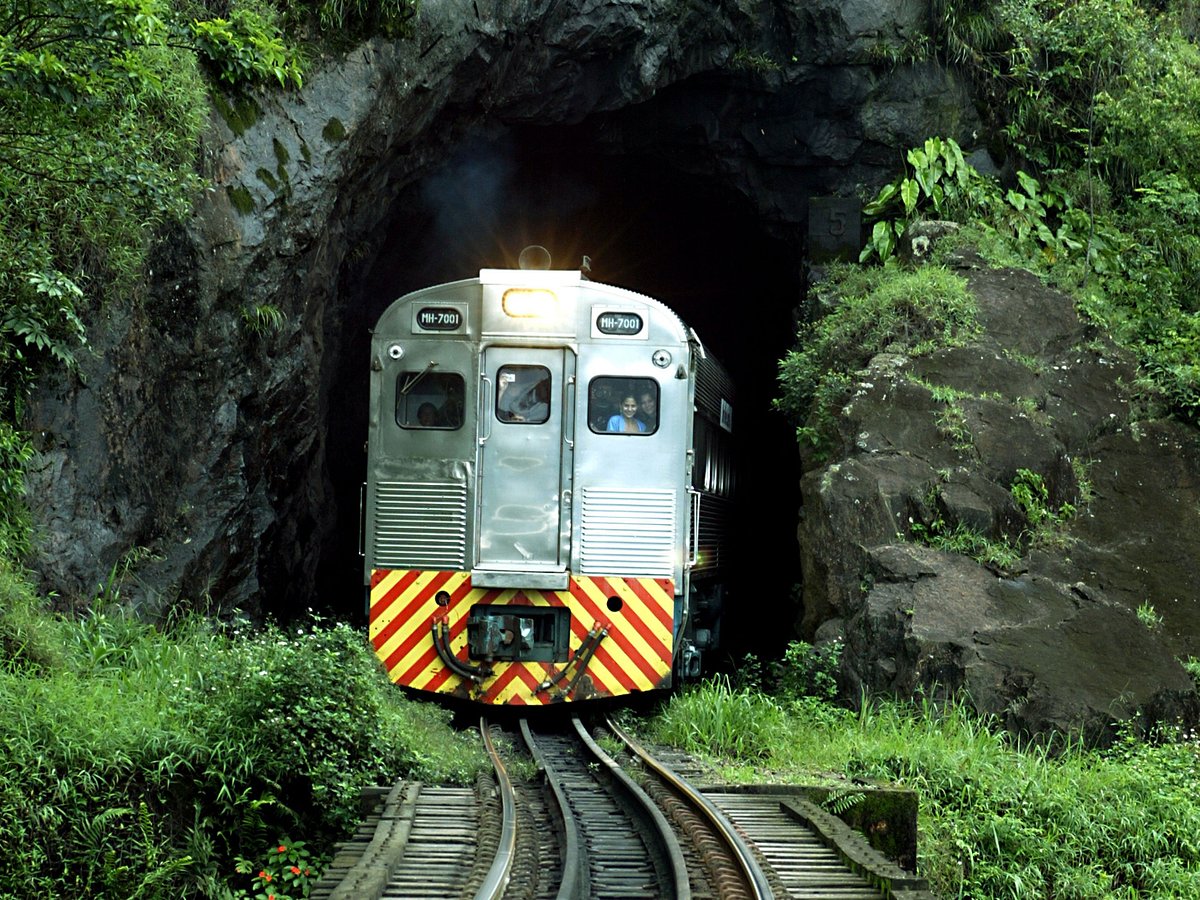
(395, 351)
(661, 358)
(529, 303)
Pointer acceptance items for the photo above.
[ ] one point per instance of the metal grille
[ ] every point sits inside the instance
(420, 525)
(628, 532)
(714, 533)
(712, 383)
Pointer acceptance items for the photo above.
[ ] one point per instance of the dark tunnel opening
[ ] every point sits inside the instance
(686, 241)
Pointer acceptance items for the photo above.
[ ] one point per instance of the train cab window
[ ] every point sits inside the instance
(623, 405)
(430, 400)
(523, 394)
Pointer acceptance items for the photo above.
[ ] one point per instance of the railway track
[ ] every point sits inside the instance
(590, 827)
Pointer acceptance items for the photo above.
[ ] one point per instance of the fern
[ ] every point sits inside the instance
(842, 800)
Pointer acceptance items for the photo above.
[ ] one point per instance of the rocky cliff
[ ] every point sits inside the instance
(1088, 627)
(209, 453)
(191, 459)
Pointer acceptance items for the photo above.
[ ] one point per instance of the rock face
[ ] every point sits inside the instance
(1054, 641)
(189, 464)
(195, 461)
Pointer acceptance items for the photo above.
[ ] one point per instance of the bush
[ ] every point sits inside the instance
(148, 763)
(808, 671)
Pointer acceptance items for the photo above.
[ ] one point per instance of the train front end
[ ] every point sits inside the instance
(528, 502)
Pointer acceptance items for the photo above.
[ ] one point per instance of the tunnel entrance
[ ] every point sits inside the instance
(687, 241)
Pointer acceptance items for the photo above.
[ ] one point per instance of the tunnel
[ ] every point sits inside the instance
(643, 225)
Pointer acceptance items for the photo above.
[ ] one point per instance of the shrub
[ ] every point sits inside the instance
(148, 763)
(809, 671)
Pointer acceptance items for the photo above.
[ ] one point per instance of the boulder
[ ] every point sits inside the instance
(1089, 625)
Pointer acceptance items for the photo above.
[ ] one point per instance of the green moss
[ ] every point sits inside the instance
(281, 152)
(265, 176)
(334, 131)
(305, 153)
(241, 200)
(239, 114)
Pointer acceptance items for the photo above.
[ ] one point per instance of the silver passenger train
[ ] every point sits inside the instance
(548, 490)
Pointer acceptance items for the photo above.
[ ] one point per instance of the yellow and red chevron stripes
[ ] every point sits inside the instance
(635, 655)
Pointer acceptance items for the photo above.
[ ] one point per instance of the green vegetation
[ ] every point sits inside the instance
(1149, 616)
(746, 61)
(997, 552)
(1096, 102)
(910, 312)
(101, 106)
(1044, 525)
(141, 762)
(997, 819)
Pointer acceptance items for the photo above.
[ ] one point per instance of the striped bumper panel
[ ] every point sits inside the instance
(635, 654)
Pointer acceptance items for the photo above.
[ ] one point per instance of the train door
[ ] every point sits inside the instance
(526, 423)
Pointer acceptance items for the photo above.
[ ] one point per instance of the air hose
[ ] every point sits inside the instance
(441, 643)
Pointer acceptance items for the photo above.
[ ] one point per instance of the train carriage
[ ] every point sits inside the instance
(548, 491)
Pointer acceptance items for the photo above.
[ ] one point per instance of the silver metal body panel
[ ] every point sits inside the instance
(525, 505)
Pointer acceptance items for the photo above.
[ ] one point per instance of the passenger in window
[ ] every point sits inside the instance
(648, 409)
(427, 416)
(626, 420)
(535, 407)
(451, 413)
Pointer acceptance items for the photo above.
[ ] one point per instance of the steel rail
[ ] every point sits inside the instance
(498, 875)
(663, 830)
(752, 873)
(576, 881)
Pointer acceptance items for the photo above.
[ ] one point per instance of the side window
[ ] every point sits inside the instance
(430, 400)
(623, 405)
(523, 394)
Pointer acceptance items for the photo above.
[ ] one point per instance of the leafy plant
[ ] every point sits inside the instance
(139, 763)
(285, 872)
(808, 671)
(246, 48)
(1149, 616)
(1032, 497)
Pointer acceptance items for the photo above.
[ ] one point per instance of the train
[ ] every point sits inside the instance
(548, 502)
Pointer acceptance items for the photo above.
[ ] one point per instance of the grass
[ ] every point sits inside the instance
(997, 819)
(139, 762)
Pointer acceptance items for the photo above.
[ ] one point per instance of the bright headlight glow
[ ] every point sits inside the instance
(529, 303)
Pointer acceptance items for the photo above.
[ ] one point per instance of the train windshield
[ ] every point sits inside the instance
(523, 394)
(623, 405)
(430, 399)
